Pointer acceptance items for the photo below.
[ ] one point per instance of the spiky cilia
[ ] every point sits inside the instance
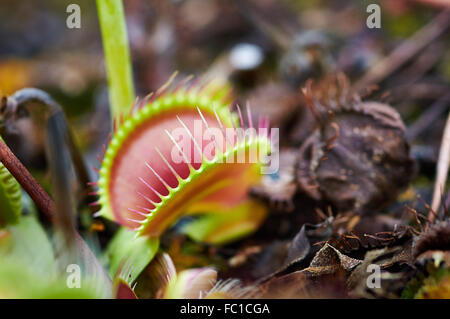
(142, 187)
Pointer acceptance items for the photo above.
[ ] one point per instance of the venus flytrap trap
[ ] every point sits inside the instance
(181, 151)
(150, 176)
(142, 136)
(123, 283)
(195, 283)
(191, 283)
(184, 167)
(143, 185)
(136, 251)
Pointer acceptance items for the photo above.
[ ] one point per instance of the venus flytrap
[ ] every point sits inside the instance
(191, 283)
(123, 282)
(195, 283)
(137, 252)
(142, 187)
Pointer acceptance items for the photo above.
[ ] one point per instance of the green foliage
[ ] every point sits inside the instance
(425, 280)
(19, 280)
(404, 25)
(30, 244)
(125, 247)
(10, 198)
(27, 268)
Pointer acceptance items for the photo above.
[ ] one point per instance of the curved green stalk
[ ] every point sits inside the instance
(117, 56)
(10, 198)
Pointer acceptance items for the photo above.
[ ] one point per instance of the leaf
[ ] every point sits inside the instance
(279, 256)
(10, 198)
(328, 260)
(391, 282)
(299, 248)
(191, 283)
(225, 227)
(126, 247)
(299, 284)
(19, 280)
(30, 244)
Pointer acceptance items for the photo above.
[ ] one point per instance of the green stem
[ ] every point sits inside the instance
(117, 56)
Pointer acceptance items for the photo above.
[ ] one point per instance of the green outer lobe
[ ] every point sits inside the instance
(195, 174)
(125, 248)
(190, 283)
(180, 100)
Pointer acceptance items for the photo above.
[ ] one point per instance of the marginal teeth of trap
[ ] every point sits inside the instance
(217, 148)
(236, 132)
(183, 83)
(137, 212)
(127, 274)
(263, 126)
(148, 210)
(250, 122)
(151, 188)
(96, 203)
(221, 126)
(249, 115)
(158, 176)
(134, 220)
(186, 160)
(147, 199)
(140, 104)
(124, 270)
(137, 231)
(240, 116)
(98, 214)
(174, 172)
(191, 136)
